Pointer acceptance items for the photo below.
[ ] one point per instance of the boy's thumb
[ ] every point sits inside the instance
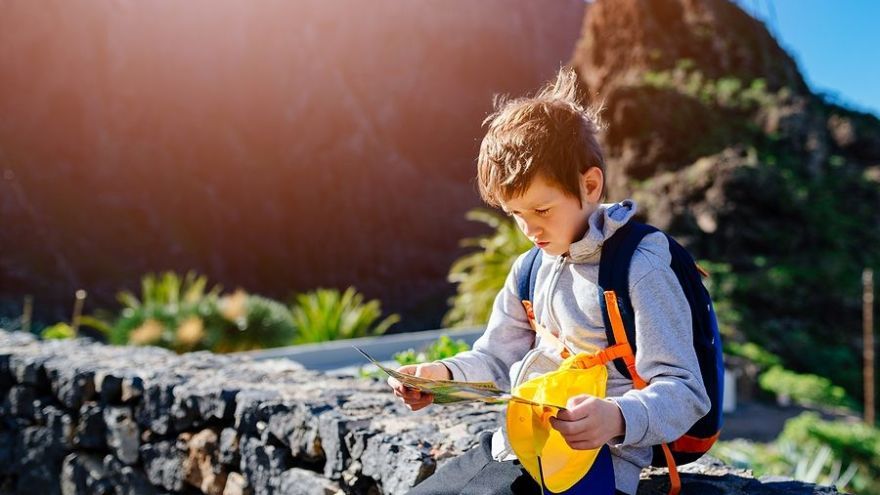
(575, 401)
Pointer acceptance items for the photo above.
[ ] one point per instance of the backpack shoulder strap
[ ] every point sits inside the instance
(614, 264)
(528, 274)
(526, 289)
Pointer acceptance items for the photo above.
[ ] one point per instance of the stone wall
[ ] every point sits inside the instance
(83, 418)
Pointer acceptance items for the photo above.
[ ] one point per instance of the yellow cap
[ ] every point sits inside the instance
(529, 430)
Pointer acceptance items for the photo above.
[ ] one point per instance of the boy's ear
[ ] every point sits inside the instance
(591, 184)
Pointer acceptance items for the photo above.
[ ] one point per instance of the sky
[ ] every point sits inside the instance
(834, 42)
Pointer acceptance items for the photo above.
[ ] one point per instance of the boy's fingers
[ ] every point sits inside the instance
(409, 369)
(408, 393)
(416, 407)
(412, 394)
(572, 431)
(562, 426)
(400, 389)
(576, 400)
(571, 426)
(411, 397)
(425, 401)
(583, 445)
(576, 409)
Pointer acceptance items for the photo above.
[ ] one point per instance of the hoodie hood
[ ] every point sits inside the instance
(602, 224)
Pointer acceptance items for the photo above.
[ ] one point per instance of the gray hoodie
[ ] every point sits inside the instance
(566, 300)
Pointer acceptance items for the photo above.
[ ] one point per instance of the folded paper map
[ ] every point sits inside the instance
(451, 391)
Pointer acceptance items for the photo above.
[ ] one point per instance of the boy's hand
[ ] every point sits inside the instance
(589, 422)
(414, 399)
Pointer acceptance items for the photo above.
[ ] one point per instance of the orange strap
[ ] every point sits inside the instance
(620, 337)
(545, 334)
(622, 350)
(674, 480)
(638, 382)
(699, 445)
(702, 271)
(604, 356)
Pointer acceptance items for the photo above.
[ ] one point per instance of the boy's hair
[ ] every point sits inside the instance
(552, 133)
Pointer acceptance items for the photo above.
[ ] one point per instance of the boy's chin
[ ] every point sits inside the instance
(553, 250)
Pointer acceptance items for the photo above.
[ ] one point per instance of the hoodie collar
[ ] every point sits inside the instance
(602, 224)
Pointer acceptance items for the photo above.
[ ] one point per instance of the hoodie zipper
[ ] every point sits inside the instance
(530, 356)
(551, 290)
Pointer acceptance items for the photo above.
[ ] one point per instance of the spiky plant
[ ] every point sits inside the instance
(171, 311)
(481, 274)
(328, 314)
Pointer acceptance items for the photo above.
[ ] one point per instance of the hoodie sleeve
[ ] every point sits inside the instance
(675, 397)
(508, 337)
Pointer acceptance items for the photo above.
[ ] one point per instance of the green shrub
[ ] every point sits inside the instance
(58, 331)
(795, 293)
(754, 353)
(168, 289)
(97, 322)
(851, 443)
(171, 312)
(721, 285)
(442, 348)
(178, 313)
(805, 389)
(810, 463)
(725, 92)
(480, 275)
(256, 322)
(327, 314)
(844, 453)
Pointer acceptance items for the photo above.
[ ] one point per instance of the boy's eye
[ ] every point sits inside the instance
(542, 211)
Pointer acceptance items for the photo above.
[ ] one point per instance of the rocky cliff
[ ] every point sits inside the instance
(711, 127)
(276, 146)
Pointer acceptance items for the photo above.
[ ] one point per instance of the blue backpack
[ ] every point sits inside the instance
(614, 265)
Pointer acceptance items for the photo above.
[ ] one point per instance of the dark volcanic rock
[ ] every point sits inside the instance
(7, 452)
(163, 461)
(126, 479)
(123, 434)
(262, 464)
(39, 451)
(84, 474)
(302, 481)
(228, 448)
(91, 431)
(20, 401)
(290, 431)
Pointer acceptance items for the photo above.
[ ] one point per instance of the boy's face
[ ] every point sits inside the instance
(551, 218)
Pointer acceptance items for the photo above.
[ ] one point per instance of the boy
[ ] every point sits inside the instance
(541, 163)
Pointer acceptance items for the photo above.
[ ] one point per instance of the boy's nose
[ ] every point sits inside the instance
(531, 231)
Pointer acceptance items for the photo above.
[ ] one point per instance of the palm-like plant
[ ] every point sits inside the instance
(169, 312)
(168, 289)
(481, 274)
(327, 314)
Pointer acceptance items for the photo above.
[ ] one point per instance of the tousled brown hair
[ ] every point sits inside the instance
(551, 133)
